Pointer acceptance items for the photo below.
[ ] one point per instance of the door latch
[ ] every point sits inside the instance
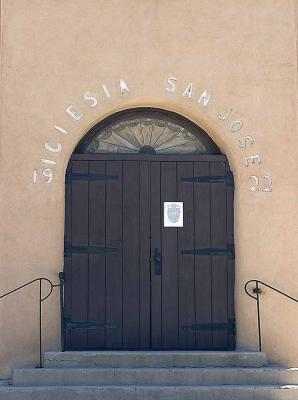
(157, 262)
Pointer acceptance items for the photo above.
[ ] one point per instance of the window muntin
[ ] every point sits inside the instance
(148, 132)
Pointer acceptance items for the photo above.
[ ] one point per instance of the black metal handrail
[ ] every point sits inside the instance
(41, 300)
(258, 291)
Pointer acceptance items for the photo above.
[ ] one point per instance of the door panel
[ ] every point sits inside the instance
(97, 270)
(169, 302)
(203, 272)
(144, 264)
(113, 282)
(117, 295)
(67, 257)
(131, 255)
(186, 271)
(79, 237)
(156, 283)
(231, 260)
(219, 262)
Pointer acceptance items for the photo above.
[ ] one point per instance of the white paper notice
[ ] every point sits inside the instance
(173, 214)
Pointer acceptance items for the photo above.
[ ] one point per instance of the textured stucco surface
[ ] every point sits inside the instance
(242, 52)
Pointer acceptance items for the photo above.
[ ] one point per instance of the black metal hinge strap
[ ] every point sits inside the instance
(87, 325)
(229, 250)
(89, 177)
(228, 178)
(229, 326)
(69, 249)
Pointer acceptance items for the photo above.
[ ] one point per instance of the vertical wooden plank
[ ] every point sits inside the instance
(170, 317)
(131, 237)
(114, 260)
(97, 279)
(219, 262)
(67, 257)
(203, 275)
(231, 260)
(80, 287)
(187, 337)
(67, 230)
(156, 223)
(144, 263)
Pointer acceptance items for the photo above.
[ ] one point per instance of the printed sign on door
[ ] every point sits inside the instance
(173, 214)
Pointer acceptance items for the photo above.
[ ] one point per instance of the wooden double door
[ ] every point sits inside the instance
(130, 282)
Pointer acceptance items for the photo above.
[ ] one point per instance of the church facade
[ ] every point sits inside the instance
(149, 157)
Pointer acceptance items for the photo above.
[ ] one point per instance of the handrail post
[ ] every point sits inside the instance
(41, 299)
(258, 291)
(40, 324)
(61, 279)
(259, 316)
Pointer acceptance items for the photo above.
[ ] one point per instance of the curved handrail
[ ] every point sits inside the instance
(258, 291)
(41, 300)
(270, 287)
(52, 286)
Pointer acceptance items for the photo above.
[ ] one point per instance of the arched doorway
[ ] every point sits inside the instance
(149, 244)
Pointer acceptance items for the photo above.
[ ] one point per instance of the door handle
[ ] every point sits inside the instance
(157, 262)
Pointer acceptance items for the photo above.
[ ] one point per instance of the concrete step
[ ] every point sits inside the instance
(227, 392)
(155, 376)
(159, 359)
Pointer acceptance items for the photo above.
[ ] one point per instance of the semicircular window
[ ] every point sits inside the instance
(147, 132)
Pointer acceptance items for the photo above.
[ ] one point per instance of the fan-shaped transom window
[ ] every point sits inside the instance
(147, 131)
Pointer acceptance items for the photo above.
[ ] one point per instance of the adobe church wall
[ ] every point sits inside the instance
(240, 56)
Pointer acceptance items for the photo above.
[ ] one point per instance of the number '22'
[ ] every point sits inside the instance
(256, 183)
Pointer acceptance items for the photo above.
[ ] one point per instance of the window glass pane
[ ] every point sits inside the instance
(156, 134)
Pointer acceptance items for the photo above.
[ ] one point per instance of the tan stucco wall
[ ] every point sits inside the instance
(242, 52)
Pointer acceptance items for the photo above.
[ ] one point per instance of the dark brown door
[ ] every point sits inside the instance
(130, 282)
